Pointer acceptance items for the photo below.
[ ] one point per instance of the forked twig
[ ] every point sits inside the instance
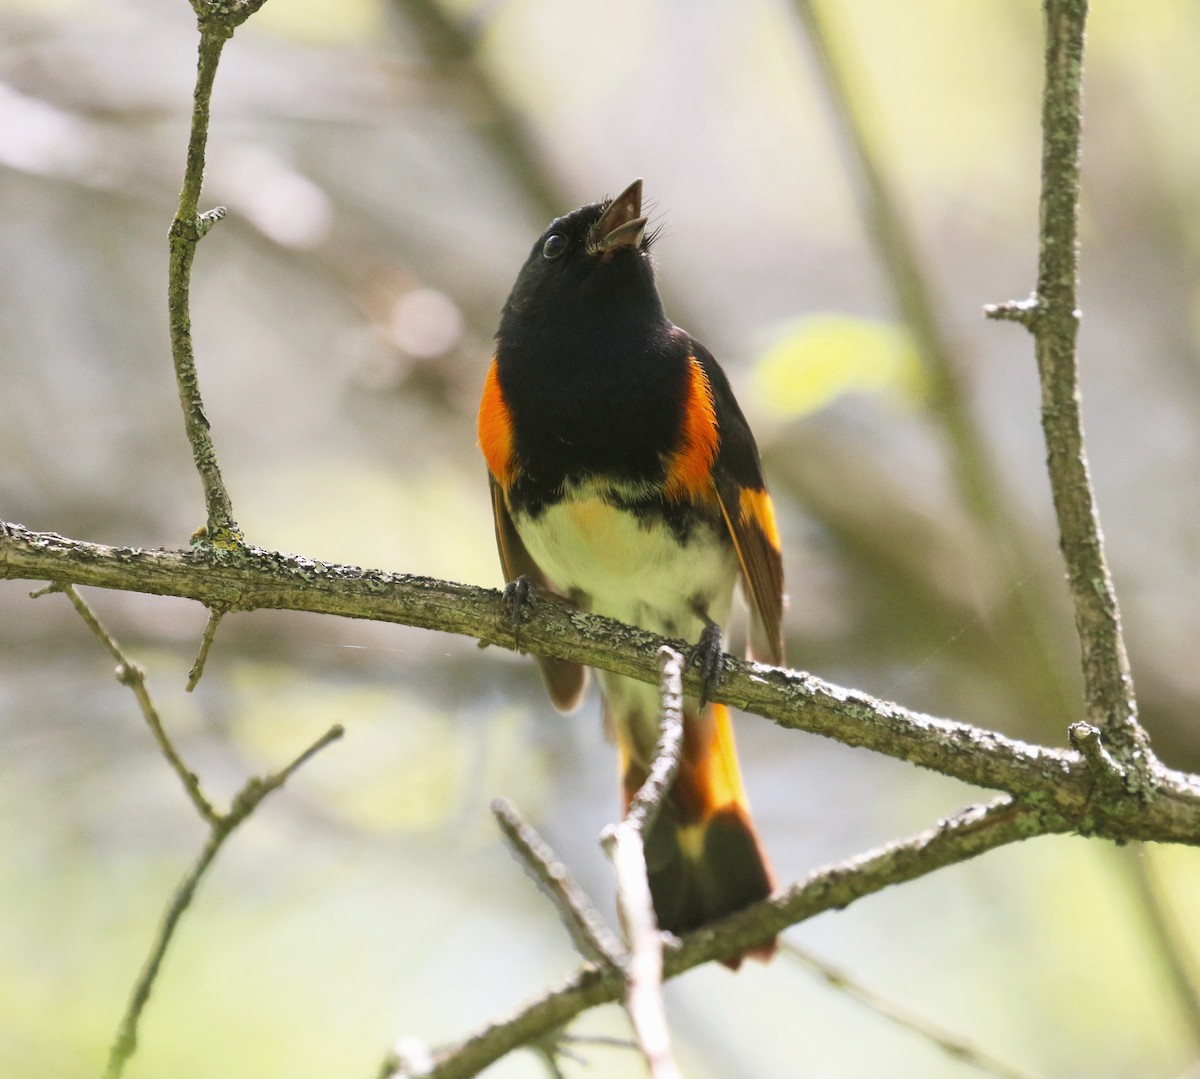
(245, 802)
(131, 675)
(221, 826)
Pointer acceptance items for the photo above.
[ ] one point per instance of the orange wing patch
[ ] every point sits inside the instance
(495, 430)
(755, 506)
(689, 469)
(750, 518)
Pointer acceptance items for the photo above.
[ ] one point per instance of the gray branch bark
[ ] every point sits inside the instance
(955, 839)
(1061, 782)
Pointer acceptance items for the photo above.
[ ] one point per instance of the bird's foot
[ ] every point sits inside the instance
(707, 655)
(517, 598)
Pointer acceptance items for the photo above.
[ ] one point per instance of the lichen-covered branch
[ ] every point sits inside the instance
(955, 839)
(217, 20)
(668, 753)
(1052, 315)
(968, 458)
(251, 578)
(1108, 685)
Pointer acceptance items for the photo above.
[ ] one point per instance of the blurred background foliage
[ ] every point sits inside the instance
(386, 164)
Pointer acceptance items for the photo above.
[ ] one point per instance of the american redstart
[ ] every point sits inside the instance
(624, 478)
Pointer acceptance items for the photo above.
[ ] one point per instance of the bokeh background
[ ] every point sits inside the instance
(386, 164)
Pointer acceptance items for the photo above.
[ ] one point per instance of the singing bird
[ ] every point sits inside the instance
(624, 478)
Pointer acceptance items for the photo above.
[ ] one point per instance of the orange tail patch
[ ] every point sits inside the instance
(703, 856)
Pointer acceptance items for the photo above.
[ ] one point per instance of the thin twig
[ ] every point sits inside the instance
(588, 930)
(1052, 315)
(222, 827)
(210, 629)
(247, 800)
(1109, 773)
(971, 462)
(625, 845)
(126, 1041)
(548, 1055)
(949, 1042)
(131, 675)
(1023, 311)
(608, 1041)
(188, 226)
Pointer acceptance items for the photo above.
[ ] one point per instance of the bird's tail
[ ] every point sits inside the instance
(703, 856)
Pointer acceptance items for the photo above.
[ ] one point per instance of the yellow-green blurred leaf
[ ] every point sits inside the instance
(402, 764)
(318, 22)
(405, 764)
(815, 360)
(341, 508)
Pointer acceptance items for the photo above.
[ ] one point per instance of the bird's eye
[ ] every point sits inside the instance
(555, 245)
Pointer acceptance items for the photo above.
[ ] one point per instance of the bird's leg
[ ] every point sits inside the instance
(517, 597)
(708, 656)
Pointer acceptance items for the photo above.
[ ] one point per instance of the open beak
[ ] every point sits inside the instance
(622, 223)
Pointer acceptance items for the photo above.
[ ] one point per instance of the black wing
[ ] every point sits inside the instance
(565, 681)
(749, 515)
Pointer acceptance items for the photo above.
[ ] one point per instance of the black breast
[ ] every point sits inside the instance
(592, 396)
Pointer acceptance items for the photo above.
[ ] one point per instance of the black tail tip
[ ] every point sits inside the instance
(762, 953)
(695, 884)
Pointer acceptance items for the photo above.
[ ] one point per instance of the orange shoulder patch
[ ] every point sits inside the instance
(689, 469)
(755, 506)
(495, 430)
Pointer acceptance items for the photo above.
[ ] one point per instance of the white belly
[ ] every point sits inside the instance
(633, 569)
(636, 571)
